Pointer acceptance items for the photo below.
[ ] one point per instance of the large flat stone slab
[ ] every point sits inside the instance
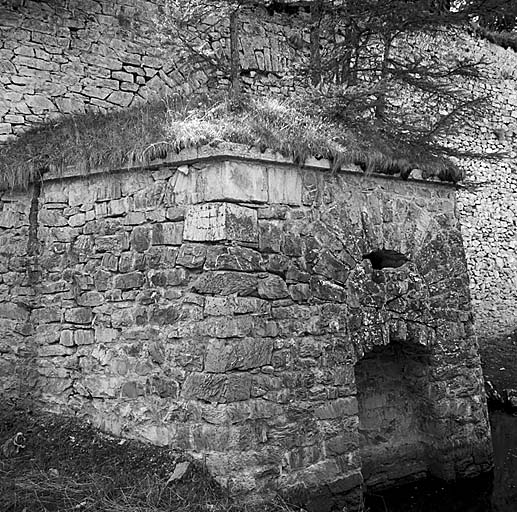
(233, 181)
(220, 221)
(220, 181)
(284, 185)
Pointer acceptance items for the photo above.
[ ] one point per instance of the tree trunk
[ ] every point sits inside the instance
(316, 12)
(235, 67)
(380, 104)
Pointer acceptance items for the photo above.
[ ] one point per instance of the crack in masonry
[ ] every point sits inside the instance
(33, 244)
(33, 278)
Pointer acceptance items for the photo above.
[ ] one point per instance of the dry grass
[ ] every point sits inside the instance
(69, 466)
(139, 135)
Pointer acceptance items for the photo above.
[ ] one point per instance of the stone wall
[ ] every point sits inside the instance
(17, 296)
(488, 201)
(61, 57)
(219, 304)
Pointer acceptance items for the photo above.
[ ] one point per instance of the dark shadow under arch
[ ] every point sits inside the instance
(394, 413)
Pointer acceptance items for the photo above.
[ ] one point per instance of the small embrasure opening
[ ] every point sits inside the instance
(383, 258)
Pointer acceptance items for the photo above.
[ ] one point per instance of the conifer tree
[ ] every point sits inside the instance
(364, 64)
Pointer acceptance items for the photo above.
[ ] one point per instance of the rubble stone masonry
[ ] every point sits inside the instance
(60, 57)
(220, 304)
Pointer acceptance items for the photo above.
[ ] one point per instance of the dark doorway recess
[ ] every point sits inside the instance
(392, 392)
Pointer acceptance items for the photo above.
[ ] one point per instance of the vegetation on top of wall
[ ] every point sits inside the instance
(139, 135)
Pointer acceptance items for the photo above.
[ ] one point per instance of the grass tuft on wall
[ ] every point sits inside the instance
(139, 135)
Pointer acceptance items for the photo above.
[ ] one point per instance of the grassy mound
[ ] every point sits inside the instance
(139, 135)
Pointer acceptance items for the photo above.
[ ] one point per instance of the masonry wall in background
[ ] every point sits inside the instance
(487, 201)
(221, 305)
(61, 57)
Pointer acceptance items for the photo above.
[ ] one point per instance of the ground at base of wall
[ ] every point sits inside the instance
(491, 492)
(499, 360)
(432, 495)
(69, 466)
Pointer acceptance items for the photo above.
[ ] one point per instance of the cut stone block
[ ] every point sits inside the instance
(233, 181)
(284, 185)
(220, 181)
(220, 221)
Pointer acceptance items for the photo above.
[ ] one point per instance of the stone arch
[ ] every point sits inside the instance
(392, 384)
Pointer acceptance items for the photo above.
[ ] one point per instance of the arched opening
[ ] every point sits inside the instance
(392, 389)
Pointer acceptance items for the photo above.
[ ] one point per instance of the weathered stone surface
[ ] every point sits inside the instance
(39, 104)
(292, 245)
(13, 311)
(79, 315)
(232, 181)
(123, 99)
(105, 334)
(284, 185)
(331, 268)
(163, 387)
(191, 255)
(141, 238)
(47, 333)
(234, 258)
(226, 283)
(165, 315)
(84, 337)
(327, 290)
(300, 292)
(229, 305)
(131, 389)
(339, 408)
(46, 315)
(92, 298)
(10, 219)
(66, 338)
(112, 243)
(128, 281)
(220, 221)
(220, 388)
(176, 277)
(272, 287)
(77, 220)
(270, 236)
(168, 233)
(237, 327)
(52, 218)
(225, 355)
(102, 280)
(175, 213)
(54, 350)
